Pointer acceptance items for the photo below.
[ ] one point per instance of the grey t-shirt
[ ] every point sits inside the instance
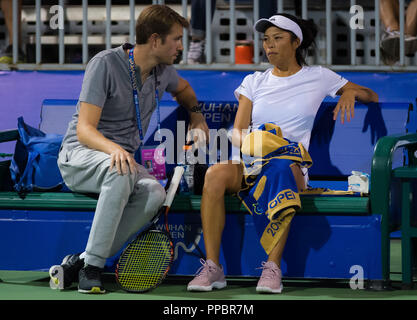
(107, 85)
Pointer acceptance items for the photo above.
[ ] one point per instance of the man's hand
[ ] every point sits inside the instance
(198, 130)
(123, 161)
(88, 135)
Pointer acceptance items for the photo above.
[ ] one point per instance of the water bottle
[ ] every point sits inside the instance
(183, 187)
(200, 169)
(189, 168)
(187, 179)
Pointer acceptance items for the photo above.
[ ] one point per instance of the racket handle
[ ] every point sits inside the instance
(175, 181)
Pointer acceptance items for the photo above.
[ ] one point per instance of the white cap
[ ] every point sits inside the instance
(281, 22)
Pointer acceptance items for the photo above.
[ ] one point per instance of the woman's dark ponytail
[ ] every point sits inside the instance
(309, 30)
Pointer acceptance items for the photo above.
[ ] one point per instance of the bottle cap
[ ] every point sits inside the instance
(187, 147)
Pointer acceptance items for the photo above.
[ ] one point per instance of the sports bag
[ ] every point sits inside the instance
(34, 164)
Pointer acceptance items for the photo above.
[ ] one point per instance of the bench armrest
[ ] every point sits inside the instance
(6, 136)
(9, 135)
(381, 172)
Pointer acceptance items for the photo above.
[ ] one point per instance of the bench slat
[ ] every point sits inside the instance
(73, 201)
(405, 172)
(9, 135)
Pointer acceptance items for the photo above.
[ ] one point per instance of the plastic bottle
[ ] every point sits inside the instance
(187, 180)
(183, 187)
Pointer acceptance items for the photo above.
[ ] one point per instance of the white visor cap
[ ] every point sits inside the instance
(281, 22)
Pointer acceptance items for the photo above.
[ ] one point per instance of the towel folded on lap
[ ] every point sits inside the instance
(269, 190)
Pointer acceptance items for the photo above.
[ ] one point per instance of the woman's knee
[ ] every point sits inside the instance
(213, 179)
(221, 178)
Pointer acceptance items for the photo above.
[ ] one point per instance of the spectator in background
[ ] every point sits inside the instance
(390, 40)
(7, 9)
(198, 30)
(198, 26)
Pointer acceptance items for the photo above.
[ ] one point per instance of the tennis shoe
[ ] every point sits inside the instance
(390, 45)
(63, 275)
(196, 52)
(208, 277)
(270, 281)
(89, 280)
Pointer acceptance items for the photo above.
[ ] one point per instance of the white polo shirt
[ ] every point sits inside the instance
(290, 102)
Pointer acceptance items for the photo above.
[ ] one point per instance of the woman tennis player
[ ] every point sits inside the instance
(289, 95)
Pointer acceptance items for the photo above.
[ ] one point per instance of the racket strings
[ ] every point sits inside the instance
(145, 262)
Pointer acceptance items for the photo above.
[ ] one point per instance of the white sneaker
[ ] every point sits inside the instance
(410, 45)
(209, 277)
(390, 44)
(271, 278)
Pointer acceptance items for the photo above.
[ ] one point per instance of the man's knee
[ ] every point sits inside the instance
(154, 195)
(124, 183)
(157, 192)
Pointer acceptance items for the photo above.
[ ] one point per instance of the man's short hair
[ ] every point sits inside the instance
(157, 19)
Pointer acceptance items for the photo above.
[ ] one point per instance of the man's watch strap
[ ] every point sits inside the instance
(196, 109)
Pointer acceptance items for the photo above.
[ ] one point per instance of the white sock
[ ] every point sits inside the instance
(82, 255)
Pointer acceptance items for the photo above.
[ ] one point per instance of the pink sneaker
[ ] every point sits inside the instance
(270, 281)
(209, 276)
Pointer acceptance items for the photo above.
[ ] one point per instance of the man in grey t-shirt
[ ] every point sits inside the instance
(97, 153)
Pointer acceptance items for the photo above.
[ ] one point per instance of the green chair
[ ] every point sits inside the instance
(408, 232)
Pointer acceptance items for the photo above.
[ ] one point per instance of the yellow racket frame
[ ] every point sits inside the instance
(145, 263)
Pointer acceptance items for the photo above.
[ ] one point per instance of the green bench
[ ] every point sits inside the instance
(378, 203)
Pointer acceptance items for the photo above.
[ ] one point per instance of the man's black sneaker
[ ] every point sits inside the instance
(89, 280)
(62, 276)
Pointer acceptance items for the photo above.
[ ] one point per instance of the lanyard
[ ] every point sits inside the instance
(132, 71)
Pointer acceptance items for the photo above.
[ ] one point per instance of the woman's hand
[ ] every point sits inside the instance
(346, 106)
(348, 94)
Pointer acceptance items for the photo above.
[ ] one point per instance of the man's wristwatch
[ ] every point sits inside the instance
(196, 109)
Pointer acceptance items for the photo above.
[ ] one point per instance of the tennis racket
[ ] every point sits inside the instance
(145, 262)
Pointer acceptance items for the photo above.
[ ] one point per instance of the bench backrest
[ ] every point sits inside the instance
(56, 114)
(337, 149)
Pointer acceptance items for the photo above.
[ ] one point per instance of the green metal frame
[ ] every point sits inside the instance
(6, 136)
(408, 232)
(381, 179)
(9, 135)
